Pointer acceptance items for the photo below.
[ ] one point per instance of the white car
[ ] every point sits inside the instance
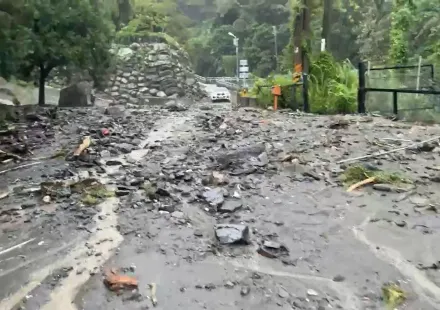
(220, 94)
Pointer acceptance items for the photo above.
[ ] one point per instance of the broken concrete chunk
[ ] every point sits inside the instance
(232, 233)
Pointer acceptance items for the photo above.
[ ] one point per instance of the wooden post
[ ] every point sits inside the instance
(276, 92)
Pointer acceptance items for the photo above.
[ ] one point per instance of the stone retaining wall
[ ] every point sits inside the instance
(146, 71)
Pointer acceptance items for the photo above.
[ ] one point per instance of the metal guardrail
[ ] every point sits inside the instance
(225, 81)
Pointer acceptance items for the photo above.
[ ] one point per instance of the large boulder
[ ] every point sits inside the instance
(77, 95)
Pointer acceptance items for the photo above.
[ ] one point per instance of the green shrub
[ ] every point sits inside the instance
(262, 90)
(332, 86)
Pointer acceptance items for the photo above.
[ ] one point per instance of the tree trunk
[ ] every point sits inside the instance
(42, 81)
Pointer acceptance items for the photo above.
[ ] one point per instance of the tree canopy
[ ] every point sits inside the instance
(53, 33)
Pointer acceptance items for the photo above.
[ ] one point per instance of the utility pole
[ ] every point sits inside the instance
(276, 45)
(326, 24)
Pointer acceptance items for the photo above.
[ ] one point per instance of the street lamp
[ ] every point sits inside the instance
(236, 55)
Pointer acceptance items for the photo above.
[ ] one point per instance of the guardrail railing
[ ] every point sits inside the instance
(225, 81)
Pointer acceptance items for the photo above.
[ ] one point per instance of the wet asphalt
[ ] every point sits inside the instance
(341, 247)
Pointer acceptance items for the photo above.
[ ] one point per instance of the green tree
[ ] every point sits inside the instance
(63, 32)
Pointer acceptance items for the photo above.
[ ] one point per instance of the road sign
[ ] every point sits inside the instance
(244, 75)
(244, 69)
(243, 62)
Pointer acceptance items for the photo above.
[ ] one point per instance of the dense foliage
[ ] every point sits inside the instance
(40, 35)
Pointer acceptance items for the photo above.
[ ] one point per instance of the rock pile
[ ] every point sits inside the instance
(145, 72)
(152, 70)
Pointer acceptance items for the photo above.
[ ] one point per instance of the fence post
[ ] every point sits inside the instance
(361, 89)
(395, 108)
(306, 106)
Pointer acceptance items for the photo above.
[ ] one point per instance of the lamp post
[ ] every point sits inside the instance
(236, 55)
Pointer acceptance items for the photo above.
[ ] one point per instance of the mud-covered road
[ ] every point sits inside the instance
(220, 209)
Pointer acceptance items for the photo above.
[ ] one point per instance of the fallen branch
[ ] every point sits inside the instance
(84, 145)
(361, 183)
(19, 167)
(380, 153)
(153, 297)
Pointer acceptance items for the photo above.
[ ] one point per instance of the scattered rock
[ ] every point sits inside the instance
(214, 197)
(339, 278)
(282, 293)
(232, 234)
(229, 284)
(28, 205)
(245, 290)
(389, 188)
(175, 106)
(271, 249)
(230, 206)
(217, 178)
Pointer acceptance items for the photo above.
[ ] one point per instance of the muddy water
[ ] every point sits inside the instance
(104, 240)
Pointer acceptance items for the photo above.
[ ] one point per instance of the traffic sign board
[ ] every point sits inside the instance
(244, 75)
(244, 69)
(243, 62)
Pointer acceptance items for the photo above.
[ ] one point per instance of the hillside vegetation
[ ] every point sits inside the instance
(39, 35)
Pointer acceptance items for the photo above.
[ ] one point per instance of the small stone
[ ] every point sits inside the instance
(218, 178)
(229, 284)
(210, 286)
(283, 293)
(83, 174)
(230, 206)
(245, 290)
(311, 292)
(113, 162)
(271, 249)
(105, 154)
(198, 233)
(28, 205)
(338, 278)
(178, 214)
(46, 199)
(122, 192)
